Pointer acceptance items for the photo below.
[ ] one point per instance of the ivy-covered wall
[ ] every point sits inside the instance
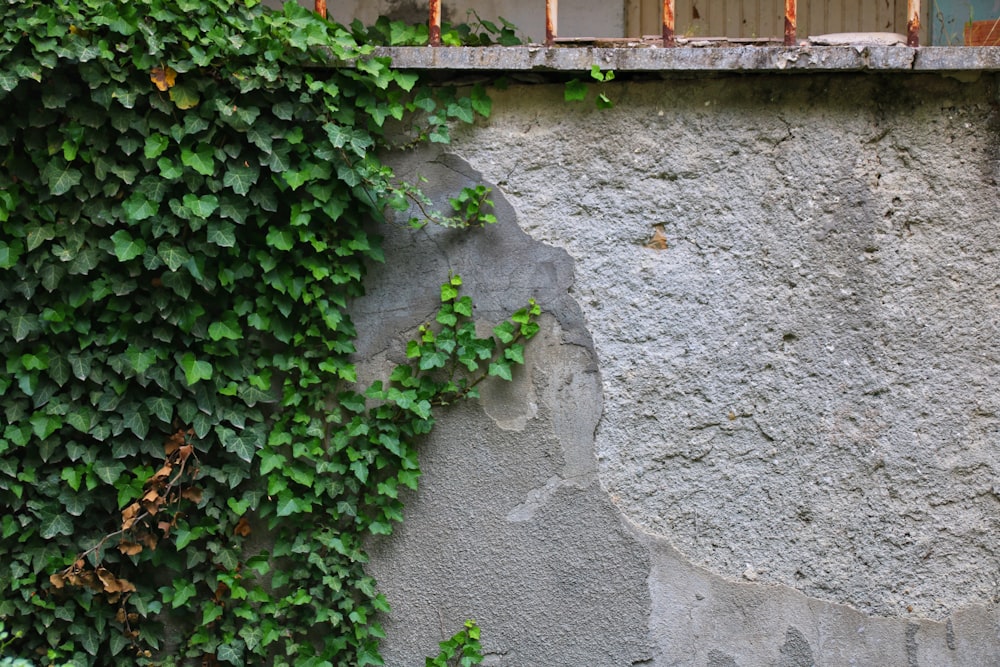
(758, 424)
(190, 198)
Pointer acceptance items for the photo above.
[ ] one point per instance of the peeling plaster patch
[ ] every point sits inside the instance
(511, 404)
(559, 580)
(720, 659)
(826, 310)
(536, 499)
(795, 652)
(911, 645)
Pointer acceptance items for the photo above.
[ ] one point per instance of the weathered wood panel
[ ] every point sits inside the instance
(765, 18)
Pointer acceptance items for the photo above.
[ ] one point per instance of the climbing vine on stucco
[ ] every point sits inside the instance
(187, 470)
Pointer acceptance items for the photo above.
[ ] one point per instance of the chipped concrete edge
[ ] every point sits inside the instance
(804, 58)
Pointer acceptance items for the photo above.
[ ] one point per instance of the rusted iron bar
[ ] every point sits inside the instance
(321, 8)
(791, 9)
(434, 23)
(913, 22)
(668, 22)
(551, 21)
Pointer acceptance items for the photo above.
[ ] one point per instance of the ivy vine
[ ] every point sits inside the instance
(187, 471)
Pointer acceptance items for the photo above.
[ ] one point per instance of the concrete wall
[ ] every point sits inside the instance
(762, 423)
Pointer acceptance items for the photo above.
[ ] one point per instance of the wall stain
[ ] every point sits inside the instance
(911, 645)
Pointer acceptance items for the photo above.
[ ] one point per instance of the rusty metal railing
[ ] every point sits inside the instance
(913, 22)
(668, 22)
(552, 16)
(791, 26)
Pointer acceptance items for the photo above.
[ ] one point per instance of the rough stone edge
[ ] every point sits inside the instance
(804, 58)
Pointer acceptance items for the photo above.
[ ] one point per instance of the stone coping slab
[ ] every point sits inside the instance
(643, 57)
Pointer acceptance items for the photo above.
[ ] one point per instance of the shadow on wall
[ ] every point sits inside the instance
(510, 525)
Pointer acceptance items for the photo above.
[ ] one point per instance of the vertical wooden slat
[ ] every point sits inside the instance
(732, 20)
(633, 18)
(854, 13)
(773, 24)
(886, 10)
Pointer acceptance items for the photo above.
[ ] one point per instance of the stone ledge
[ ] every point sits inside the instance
(804, 58)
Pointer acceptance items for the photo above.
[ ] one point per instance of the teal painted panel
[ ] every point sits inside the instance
(949, 17)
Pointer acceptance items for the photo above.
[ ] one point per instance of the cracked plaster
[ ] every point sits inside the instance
(803, 375)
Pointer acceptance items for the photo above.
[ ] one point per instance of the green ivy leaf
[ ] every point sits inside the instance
(22, 324)
(53, 523)
(127, 248)
(515, 353)
(90, 640)
(137, 421)
(108, 471)
(289, 505)
(241, 178)
(504, 332)
(228, 328)
(161, 407)
(244, 443)
(37, 234)
(222, 233)
(195, 369)
(575, 91)
(280, 239)
(61, 178)
(10, 253)
(43, 425)
(182, 590)
(201, 160)
(501, 369)
(448, 292)
(253, 635)
(185, 97)
(231, 652)
(202, 207)
(155, 145)
(174, 256)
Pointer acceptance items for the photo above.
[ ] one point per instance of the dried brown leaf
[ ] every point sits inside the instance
(163, 78)
(174, 442)
(129, 515)
(149, 540)
(89, 579)
(152, 501)
(130, 548)
(242, 527)
(108, 581)
(659, 240)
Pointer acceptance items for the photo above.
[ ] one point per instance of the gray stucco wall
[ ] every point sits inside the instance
(761, 425)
